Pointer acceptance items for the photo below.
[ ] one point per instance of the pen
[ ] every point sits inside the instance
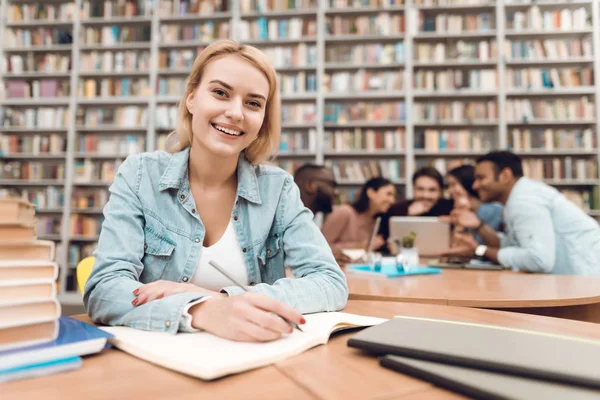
(222, 271)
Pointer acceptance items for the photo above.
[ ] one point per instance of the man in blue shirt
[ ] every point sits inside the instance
(545, 232)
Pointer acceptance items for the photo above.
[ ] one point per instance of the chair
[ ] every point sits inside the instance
(84, 269)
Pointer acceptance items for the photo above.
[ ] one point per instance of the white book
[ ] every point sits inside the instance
(206, 356)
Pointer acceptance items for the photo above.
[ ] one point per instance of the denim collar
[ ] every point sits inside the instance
(176, 176)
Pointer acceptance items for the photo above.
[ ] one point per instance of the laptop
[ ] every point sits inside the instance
(433, 235)
(465, 263)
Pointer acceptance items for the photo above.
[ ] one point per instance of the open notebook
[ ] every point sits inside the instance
(206, 356)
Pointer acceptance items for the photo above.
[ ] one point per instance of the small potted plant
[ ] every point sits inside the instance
(408, 251)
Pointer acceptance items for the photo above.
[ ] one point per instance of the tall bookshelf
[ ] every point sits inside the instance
(397, 91)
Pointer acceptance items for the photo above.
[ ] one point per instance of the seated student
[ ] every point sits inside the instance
(460, 188)
(318, 190)
(545, 232)
(351, 226)
(427, 202)
(169, 214)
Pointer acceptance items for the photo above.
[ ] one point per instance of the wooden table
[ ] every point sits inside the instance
(334, 371)
(562, 296)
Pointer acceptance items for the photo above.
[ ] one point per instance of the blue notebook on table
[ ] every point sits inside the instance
(40, 369)
(75, 338)
(391, 271)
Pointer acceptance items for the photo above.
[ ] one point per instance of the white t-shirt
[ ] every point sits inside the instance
(228, 254)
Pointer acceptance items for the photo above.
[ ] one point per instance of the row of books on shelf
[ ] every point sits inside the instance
(115, 61)
(96, 171)
(548, 49)
(550, 110)
(456, 111)
(300, 82)
(455, 23)
(363, 80)
(535, 19)
(248, 6)
(111, 144)
(84, 198)
(17, 88)
(40, 12)
(363, 170)
(78, 252)
(115, 34)
(372, 53)
(565, 168)
(460, 50)
(273, 29)
(297, 141)
(202, 31)
(31, 170)
(167, 8)
(39, 117)
(125, 117)
(364, 3)
(367, 139)
(550, 139)
(549, 78)
(115, 8)
(455, 79)
(447, 140)
(553, 139)
(364, 111)
(43, 198)
(31, 144)
(83, 225)
(300, 113)
(107, 87)
(383, 23)
(38, 62)
(48, 225)
(18, 38)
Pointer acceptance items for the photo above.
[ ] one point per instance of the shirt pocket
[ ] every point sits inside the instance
(158, 250)
(270, 257)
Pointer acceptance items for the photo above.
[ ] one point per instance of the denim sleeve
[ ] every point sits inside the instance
(320, 284)
(531, 223)
(116, 272)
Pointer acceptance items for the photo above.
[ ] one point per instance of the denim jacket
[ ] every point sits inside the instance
(152, 231)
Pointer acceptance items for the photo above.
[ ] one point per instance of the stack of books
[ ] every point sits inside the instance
(35, 339)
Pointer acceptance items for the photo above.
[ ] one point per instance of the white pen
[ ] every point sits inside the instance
(222, 271)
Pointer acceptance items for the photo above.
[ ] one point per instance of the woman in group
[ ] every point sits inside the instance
(350, 226)
(210, 199)
(460, 188)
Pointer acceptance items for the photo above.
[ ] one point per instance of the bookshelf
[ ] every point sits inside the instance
(404, 83)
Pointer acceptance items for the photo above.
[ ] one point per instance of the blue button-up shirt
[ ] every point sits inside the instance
(152, 231)
(545, 232)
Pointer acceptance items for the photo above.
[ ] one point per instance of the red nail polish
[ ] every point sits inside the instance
(136, 291)
(302, 321)
(134, 302)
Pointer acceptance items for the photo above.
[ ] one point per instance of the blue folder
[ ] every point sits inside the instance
(391, 271)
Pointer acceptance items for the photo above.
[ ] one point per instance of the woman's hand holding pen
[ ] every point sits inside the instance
(159, 289)
(249, 317)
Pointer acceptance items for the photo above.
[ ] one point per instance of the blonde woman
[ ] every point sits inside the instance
(210, 198)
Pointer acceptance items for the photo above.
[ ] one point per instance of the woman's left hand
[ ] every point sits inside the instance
(159, 289)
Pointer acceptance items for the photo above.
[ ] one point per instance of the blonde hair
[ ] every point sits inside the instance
(268, 136)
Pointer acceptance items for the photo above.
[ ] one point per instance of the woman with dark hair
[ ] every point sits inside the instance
(460, 188)
(349, 226)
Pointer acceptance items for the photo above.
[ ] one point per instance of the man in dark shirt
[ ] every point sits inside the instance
(428, 201)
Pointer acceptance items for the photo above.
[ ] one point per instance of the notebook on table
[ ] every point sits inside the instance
(520, 352)
(206, 356)
(486, 385)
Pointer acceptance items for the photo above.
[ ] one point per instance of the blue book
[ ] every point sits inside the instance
(391, 271)
(75, 338)
(40, 369)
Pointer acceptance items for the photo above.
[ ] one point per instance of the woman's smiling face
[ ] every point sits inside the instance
(228, 107)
